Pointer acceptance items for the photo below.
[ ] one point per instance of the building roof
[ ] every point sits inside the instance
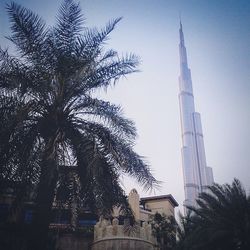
(161, 197)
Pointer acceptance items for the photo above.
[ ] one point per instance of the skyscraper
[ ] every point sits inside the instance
(197, 175)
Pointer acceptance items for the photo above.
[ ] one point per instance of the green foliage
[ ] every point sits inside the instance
(221, 220)
(164, 229)
(56, 138)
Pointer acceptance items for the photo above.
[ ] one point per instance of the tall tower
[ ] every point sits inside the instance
(197, 176)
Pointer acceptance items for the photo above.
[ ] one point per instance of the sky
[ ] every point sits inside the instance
(217, 38)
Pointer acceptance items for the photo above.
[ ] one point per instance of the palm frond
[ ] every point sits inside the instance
(17, 76)
(90, 44)
(105, 112)
(121, 154)
(69, 25)
(111, 72)
(28, 31)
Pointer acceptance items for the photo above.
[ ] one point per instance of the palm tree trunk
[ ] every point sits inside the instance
(74, 214)
(45, 196)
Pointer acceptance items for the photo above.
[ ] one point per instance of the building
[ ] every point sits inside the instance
(90, 233)
(110, 233)
(144, 208)
(197, 175)
(15, 225)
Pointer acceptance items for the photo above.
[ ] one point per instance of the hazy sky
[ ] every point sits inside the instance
(217, 37)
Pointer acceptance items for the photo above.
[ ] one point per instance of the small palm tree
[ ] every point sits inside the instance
(221, 220)
(50, 120)
(224, 214)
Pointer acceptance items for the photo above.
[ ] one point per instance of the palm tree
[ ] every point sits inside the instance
(221, 220)
(224, 214)
(50, 119)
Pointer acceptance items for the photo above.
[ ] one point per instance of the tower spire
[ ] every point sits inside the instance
(180, 20)
(197, 176)
(183, 55)
(181, 33)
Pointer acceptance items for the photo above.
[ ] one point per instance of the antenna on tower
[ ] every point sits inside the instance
(180, 19)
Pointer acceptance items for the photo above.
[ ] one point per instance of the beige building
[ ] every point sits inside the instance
(143, 208)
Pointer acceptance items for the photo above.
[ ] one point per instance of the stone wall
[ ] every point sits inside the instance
(73, 241)
(122, 243)
(111, 235)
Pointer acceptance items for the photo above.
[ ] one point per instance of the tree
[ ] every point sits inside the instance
(221, 220)
(50, 119)
(164, 229)
(185, 233)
